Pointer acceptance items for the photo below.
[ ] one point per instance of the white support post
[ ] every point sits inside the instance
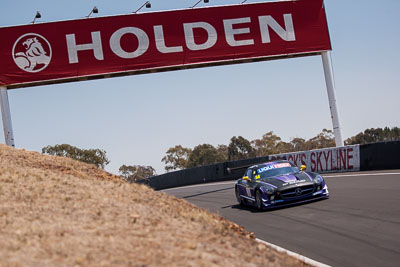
(330, 86)
(6, 115)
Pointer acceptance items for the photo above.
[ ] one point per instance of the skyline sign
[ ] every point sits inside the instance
(122, 45)
(333, 159)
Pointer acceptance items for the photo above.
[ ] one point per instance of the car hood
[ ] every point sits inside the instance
(288, 179)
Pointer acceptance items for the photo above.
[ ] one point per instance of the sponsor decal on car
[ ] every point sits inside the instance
(294, 182)
(273, 166)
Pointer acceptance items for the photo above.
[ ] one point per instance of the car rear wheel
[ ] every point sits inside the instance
(238, 198)
(258, 200)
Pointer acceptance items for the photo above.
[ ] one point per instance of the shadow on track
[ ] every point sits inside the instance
(253, 209)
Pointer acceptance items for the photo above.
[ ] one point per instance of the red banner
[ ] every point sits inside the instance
(137, 43)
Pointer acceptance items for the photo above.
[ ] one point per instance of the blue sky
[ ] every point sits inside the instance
(137, 118)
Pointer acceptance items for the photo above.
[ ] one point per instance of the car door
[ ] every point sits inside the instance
(249, 185)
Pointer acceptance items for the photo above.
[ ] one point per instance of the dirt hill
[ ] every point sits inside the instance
(55, 211)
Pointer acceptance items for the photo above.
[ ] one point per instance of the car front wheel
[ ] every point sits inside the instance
(238, 198)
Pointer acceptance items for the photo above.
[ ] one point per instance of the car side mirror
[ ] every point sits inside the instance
(303, 167)
(246, 178)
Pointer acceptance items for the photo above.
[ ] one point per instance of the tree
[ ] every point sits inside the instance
(223, 150)
(271, 144)
(322, 140)
(176, 158)
(203, 155)
(268, 144)
(283, 147)
(240, 148)
(136, 172)
(92, 156)
(298, 144)
(374, 135)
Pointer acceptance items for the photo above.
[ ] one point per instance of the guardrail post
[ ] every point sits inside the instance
(330, 86)
(6, 115)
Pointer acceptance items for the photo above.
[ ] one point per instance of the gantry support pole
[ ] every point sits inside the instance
(330, 86)
(6, 115)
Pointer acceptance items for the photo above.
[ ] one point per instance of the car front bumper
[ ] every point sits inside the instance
(273, 202)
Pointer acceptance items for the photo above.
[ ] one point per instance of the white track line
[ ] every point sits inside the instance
(293, 254)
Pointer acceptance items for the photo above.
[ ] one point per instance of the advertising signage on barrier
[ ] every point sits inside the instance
(159, 41)
(336, 159)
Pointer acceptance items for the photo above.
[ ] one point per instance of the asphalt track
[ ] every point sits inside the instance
(359, 225)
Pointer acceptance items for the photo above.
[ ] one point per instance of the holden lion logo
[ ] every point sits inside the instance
(32, 52)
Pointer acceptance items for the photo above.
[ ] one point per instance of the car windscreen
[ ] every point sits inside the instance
(275, 170)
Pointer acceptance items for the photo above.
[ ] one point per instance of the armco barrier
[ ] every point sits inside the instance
(377, 156)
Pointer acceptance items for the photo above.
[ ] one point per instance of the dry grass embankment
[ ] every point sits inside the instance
(59, 212)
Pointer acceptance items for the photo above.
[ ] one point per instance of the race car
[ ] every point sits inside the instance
(279, 183)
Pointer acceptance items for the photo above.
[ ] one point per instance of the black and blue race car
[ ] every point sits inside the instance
(279, 183)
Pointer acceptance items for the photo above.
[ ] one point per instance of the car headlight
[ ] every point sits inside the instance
(269, 189)
(318, 179)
